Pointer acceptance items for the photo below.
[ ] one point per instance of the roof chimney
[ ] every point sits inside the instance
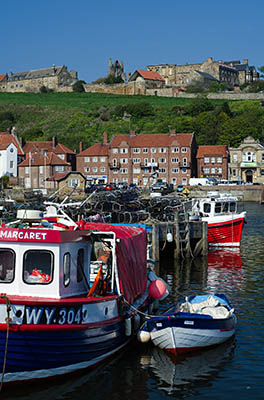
(105, 138)
(172, 132)
(54, 142)
(132, 133)
(81, 147)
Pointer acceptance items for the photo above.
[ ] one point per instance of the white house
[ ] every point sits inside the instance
(9, 151)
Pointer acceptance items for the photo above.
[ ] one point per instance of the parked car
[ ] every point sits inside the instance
(179, 188)
(160, 185)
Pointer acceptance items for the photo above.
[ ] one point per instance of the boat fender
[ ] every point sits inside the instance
(169, 237)
(136, 322)
(143, 336)
(128, 326)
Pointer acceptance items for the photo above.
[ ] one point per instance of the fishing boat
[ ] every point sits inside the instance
(195, 323)
(71, 293)
(225, 223)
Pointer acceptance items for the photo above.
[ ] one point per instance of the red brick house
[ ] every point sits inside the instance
(212, 161)
(141, 158)
(93, 162)
(37, 167)
(53, 146)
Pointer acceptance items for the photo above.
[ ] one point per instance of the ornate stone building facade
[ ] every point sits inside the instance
(247, 161)
(232, 73)
(55, 78)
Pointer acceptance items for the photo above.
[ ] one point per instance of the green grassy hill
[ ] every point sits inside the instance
(75, 117)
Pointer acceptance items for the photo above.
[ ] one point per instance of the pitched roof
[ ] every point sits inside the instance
(6, 139)
(154, 140)
(37, 73)
(37, 146)
(39, 159)
(59, 176)
(97, 149)
(148, 75)
(2, 77)
(217, 150)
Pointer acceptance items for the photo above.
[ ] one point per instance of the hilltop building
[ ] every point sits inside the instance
(230, 72)
(56, 78)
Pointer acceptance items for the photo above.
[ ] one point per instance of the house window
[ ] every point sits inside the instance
(62, 156)
(162, 170)
(124, 150)
(220, 170)
(145, 150)
(219, 160)
(162, 160)
(234, 172)
(95, 169)
(162, 150)
(123, 170)
(41, 181)
(185, 162)
(136, 150)
(206, 170)
(73, 182)
(102, 159)
(184, 170)
(263, 157)
(212, 170)
(102, 169)
(212, 160)
(175, 170)
(136, 160)
(114, 162)
(206, 160)
(262, 172)
(175, 150)
(175, 160)
(136, 170)
(123, 160)
(184, 150)
(153, 150)
(86, 159)
(59, 168)
(87, 169)
(95, 159)
(11, 165)
(145, 162)
(115, 151)
(26, 170)
(41, 168)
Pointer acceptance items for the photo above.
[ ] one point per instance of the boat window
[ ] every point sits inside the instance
(217, 208)
(225, 207)
(80, 265)
(207, 208)
(232, 206)
(7, 265)
(66, 268)
(38, 267)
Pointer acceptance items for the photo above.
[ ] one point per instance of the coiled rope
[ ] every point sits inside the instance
(8, 320)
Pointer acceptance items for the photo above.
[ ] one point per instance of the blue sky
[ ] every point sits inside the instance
(84, 34)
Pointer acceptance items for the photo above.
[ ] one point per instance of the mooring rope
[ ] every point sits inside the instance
(8, 320)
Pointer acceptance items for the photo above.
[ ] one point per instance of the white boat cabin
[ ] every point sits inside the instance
(55, 264)
(217, 204)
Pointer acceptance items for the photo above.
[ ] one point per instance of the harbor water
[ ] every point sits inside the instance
(231, 370)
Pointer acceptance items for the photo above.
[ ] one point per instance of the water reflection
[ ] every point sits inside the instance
(183, 375)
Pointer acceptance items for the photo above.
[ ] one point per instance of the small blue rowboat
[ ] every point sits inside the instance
(195, 323)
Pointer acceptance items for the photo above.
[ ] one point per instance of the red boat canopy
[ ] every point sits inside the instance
(131, 253)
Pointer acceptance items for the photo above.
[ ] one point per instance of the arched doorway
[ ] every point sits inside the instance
(249, 176)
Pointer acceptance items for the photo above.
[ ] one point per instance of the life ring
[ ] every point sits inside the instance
(99, 277)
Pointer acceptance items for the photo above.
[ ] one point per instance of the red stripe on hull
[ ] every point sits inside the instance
(226, 232)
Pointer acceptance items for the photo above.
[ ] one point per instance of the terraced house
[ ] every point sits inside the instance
(141, 159)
